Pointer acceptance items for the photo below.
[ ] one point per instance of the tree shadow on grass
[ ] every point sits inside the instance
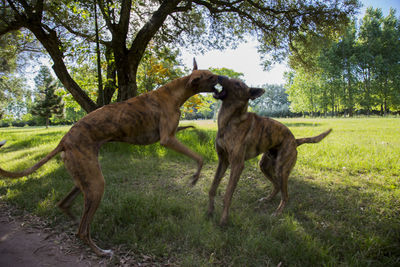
(200, 141)
(149, 207)
(38, 193)
(319, 226)
(31, 141)
(331, 225)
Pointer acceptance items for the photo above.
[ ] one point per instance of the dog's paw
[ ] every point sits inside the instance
(263, 199)
(108, 253)
(266, 199)
(194, 180)
(209, 214)
(276, 213)
(223, 222)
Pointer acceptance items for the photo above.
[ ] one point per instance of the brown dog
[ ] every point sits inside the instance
(141, 120)
(243, 135)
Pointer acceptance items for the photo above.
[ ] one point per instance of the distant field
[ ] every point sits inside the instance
(344, 197)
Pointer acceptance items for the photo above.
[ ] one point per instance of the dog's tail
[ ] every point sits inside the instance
(314, 139)
(7, 174)
(181, 128)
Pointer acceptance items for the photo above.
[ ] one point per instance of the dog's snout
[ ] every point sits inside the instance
(222, 78)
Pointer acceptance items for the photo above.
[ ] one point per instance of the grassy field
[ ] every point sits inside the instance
(344, 197)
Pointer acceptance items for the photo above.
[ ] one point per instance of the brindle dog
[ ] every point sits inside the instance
(243, 135)
(141, 120)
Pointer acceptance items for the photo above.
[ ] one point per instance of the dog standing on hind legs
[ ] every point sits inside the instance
(141, 120)
(243, 135)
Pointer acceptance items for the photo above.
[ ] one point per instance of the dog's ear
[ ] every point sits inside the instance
(256, 92)
(194, 64)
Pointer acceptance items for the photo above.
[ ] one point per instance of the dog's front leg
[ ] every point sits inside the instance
(168, 126)
(236, 170)
(172, 143)
(223, 164)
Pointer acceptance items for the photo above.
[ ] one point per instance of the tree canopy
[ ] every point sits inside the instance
(66, 30)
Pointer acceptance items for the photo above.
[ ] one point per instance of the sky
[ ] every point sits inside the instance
(245, 58)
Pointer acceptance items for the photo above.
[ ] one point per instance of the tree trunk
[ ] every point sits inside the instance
(51, 44)
(127, 86)
(110, 85)
(100, 91)
(385, 97)
(350, 103)
(385, 107)
(128, 64)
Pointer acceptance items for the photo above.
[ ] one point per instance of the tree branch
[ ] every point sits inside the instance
(151, 27)
(123, 24)
(106, 16)
(77, 32)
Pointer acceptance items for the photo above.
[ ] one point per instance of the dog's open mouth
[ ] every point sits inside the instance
(219, 92)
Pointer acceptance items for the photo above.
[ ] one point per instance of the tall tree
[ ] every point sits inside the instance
(129, 26)
(370, 48)
(390, 69)
(346, 54)
(331, 76)
(47, 102)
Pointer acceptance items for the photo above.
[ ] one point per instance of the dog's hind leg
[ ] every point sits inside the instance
(167, 139)
(93, 193)
(223, 164)
(285, 162)
(85, 169)
(66, 203)
(172, 143)
(267, 166)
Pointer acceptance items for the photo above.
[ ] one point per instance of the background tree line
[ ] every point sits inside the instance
(359, 73)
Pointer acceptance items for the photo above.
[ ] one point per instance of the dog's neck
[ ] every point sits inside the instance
(178, 90)
(232, 113)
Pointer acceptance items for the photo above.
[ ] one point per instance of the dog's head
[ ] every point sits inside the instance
(202, 81)
(236, 90)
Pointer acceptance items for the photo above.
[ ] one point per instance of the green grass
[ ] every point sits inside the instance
(344, 206)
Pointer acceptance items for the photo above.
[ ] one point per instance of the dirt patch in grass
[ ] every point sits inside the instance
(27, 240)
